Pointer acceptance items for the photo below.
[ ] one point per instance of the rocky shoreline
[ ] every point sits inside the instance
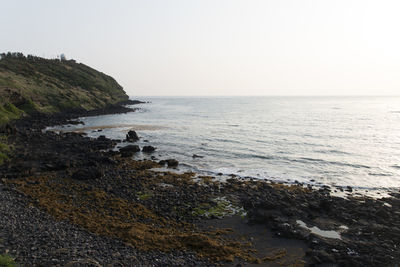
(70, 200)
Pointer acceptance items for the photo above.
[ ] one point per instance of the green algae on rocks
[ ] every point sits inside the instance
(7, 261)
(220, 207)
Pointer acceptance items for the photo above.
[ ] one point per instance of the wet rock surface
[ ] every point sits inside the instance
(368, 228)
(169, 162)
(132, 136)
(148, 149)
(129, 150)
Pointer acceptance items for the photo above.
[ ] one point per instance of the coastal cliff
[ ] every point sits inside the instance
(30, 84)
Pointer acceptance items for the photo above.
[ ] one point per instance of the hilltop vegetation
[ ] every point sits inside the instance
(30, 84)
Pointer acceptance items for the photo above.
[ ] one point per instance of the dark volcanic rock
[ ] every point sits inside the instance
(126, 154)
(148, 149)
(102, 138)
(172, 162)
(132, 136)
(169, 162)
(133, 102)
(130, 148)
(87, 174)
(361, 245)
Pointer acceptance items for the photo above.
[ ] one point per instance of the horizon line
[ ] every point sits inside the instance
(372, 95)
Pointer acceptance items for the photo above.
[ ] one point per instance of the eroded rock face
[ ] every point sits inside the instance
(132, 136)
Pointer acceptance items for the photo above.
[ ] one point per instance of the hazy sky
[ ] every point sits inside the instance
(218, 47)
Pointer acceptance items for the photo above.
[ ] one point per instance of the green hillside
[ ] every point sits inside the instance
(32, 84)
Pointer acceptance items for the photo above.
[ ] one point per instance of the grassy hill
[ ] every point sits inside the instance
(31, 84)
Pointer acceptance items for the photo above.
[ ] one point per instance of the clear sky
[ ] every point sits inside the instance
(218, 47)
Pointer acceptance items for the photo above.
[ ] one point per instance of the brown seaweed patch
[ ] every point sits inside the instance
(206, 179)
(290, 188)
(106, 214)
(280, 254)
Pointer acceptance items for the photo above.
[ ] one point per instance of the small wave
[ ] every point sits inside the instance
(282, 178)
(395, 166)
(187, 166)
(333, 151)
(262, 157)
(311, 135)
(226, 141)
(253, 156)
(305, 160)
(379, 174)
(138, 109)
(312, 159)
(250, 174)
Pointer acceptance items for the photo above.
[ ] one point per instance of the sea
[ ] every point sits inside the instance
(333, 141)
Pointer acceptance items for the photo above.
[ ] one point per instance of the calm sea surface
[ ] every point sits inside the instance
(330, 140)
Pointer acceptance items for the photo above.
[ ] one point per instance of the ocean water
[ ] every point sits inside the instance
(342, 141)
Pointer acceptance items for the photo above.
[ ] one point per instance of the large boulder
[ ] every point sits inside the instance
(132, 136)
(172, 163)
(148, 149)
(169, 162)
(102, 138)
(129, 150)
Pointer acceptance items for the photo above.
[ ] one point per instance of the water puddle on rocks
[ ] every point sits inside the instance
(387, 205)
(323, 233)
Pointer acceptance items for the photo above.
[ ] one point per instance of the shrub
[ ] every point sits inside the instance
(7, 261)
(4, 150)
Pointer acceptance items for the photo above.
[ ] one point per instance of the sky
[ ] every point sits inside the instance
(218, 47)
